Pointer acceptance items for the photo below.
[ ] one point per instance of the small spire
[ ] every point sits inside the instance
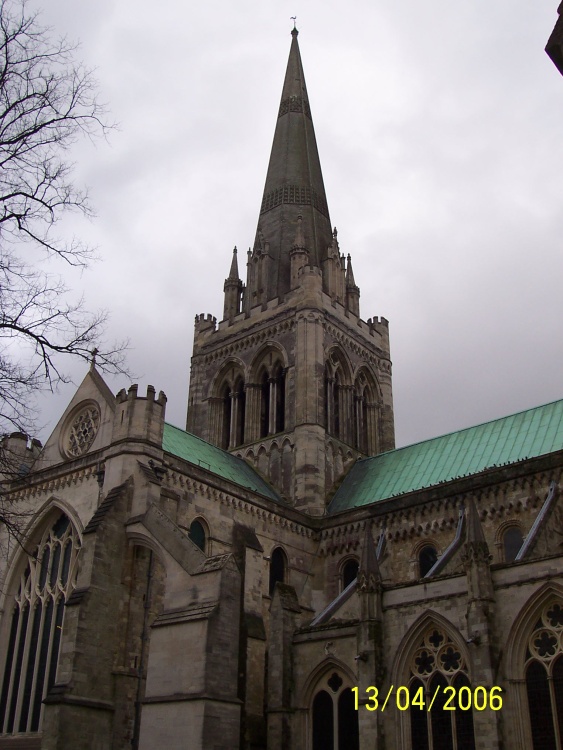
(350, 273)
(94, 353)
(233, 273)
(294, 31)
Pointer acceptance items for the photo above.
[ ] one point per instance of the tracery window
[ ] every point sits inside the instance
(436, 664)
(544, 678)
(82, 431)
(36, 627)
(334, 719)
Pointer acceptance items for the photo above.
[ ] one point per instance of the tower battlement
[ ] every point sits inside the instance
(140, 417)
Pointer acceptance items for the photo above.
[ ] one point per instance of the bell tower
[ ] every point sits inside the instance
(293, 379)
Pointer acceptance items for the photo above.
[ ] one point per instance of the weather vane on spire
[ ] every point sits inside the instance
(294, 19)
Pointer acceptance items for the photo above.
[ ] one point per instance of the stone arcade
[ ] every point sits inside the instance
(229, 585)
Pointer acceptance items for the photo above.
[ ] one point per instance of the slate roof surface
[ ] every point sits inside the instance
(527, 434)
(199, 453)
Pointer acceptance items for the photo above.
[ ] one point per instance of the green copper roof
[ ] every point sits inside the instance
(198, 452)
(524, 435)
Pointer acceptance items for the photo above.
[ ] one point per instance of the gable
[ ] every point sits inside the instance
(86, 424)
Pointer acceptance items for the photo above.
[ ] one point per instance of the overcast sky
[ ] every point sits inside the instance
(439, 126)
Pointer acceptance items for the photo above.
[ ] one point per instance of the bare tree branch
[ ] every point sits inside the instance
(47, 101)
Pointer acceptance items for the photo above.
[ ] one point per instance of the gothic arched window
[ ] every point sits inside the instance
(278, 567)
(334, 719)
(512, 540)
(197, 534)
(427, 557)
(272, 399)
(36, 627)
(544, 678)
(436, 664)
(349, 572)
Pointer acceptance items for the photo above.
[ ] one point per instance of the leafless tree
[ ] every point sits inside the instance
(47, 101)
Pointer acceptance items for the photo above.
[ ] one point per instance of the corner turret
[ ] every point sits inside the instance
(138, 417)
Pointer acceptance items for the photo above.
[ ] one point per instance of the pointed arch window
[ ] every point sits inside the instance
(272, 400)
(544, 678)
(36, 627)
(334, 719)
(278, 568)
(427, 558)
(197, 534)
(512, 541)
(349, 572)
(438, 663)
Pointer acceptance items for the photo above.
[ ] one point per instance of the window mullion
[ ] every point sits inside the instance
(21, 685)
(13, 671)
(335, 722)
(36, 666)
(554, 711)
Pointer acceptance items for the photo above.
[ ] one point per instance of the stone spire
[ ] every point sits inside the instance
(233, 288)
(352, 290)
(294, 185)
(233, 273)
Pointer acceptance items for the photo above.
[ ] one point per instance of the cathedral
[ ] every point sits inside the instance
(278, 575)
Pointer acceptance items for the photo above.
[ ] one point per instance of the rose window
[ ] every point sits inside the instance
(83, 430)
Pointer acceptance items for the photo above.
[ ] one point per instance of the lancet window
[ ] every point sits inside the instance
(512, 540)
(349, 572)
(544, 678)
(271, 390)
(229, 412)
(364, 413)
(338, 392)
(427, 558)
(36, 627)
(438, 664)
(197, 534)
(278, 568)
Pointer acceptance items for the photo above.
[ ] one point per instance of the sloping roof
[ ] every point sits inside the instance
(196, 451)
(527, 434)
